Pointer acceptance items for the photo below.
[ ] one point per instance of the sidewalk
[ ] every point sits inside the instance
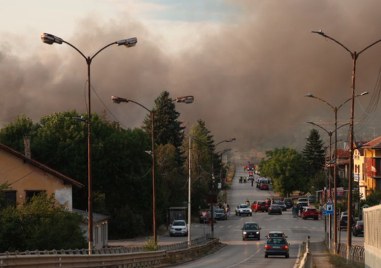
(320, 255)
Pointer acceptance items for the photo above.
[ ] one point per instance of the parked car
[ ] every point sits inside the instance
(274, 209)
(344, 221)
(310, 213)
(358, 228)
(280, 203)
(276, 234)
(251, 230)
(277, 246)
(243, 209)
(178, 228)
(259, 205)
(263, 186)
(288, 202)
(220, 214)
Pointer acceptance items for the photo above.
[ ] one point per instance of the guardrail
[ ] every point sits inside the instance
(305, 260)
(115, 257)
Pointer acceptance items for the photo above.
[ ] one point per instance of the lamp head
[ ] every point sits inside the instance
(309, 95)
(185, 99)
(364, 93)
(320, 32)
(129, 42)
(118, 100)
(50, 39)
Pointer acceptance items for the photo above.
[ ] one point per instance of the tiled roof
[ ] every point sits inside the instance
(375, 143)
(41, 166)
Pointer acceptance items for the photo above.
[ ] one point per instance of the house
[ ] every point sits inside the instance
(359, 169)
(372, 165)
(27, 177)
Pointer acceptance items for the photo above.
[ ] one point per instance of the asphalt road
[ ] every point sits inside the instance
(238, 253)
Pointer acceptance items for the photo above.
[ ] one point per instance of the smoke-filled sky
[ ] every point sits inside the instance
(248, 63)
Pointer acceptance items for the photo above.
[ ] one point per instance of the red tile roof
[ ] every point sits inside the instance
(41, 166)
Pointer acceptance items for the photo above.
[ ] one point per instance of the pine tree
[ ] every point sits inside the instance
(167, 128)
(314, 154)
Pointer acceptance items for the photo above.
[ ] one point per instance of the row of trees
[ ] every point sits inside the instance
(292, 171)
(121, 168)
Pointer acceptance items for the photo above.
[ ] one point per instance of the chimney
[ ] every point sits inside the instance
(27, 147)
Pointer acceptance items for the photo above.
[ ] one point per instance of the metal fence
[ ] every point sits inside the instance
(356, 253)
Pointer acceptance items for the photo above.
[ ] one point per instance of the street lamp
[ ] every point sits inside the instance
(330, 163)
(335, 110)
(52, 39)
(354, 55)
(190, 184)
(184, 99)
(213, 185)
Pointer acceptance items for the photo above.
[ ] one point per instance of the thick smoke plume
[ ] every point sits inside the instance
(249, 76)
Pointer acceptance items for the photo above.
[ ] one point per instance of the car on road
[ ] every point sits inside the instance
(277, 246)
(274, 209)
(280, 203)
(344, 221)
(251, 230)
(276, 234)
(358, 228)
(259, 205)
(243, 209)
(263, 186)
(178, 228)
(220, 214)
(310, 213)
(288, 202)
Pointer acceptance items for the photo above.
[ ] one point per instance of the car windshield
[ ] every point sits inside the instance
(243, 206)
(250, 226)
(178, 223)
(276, 241)
(275, 234)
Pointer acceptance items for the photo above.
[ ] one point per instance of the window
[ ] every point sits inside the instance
(30, 193)
(9, 198)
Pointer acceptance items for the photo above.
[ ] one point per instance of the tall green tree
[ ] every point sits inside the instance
(167, 128)
(314, 154)
(285, 166)
(13, 134)
(202, 151)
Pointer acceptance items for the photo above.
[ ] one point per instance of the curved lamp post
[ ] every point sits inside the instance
(335, 110)
(52, 39)
(330, 162)
(190, 183)
(184, 99)
(354, 55)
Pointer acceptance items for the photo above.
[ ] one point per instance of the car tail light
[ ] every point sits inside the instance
(285, 247)
(267, 247)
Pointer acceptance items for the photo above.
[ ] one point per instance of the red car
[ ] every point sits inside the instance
(259, 205)
(310, 213)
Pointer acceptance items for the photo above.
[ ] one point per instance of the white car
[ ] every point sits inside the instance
(243, 209)
(178, 228)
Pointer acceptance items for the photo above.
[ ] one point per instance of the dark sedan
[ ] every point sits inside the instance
(358, 228)
(274, 209)
(251, 230)
(277, 246)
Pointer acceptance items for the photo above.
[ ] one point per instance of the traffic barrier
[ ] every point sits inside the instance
(115, 257)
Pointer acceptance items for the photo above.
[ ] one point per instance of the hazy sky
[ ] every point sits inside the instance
(248, 63)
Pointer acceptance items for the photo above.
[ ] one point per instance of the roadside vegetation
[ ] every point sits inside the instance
(121, 166)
